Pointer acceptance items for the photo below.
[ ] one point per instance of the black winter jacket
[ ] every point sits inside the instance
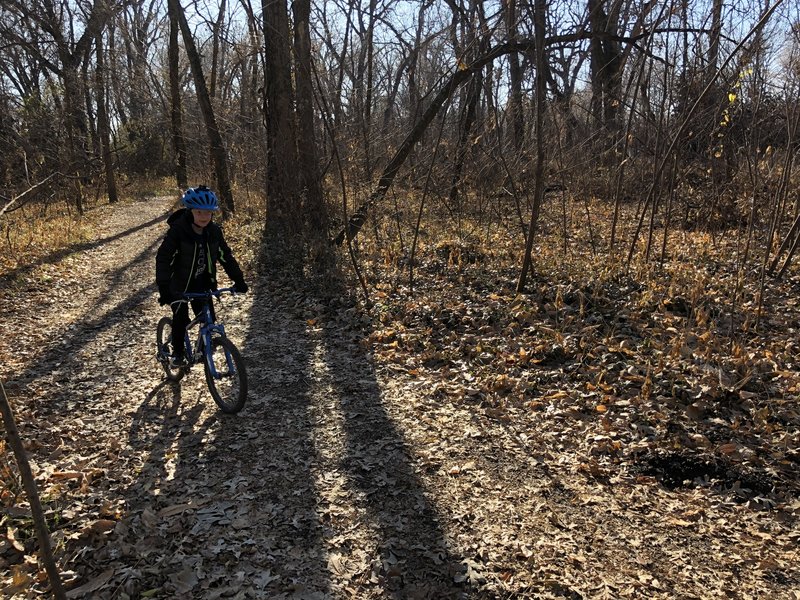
(176, 260)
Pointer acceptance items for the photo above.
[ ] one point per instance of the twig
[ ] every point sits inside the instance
(33, 496)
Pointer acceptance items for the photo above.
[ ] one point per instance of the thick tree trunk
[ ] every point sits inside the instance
(283, 207)
(315, 209)
(606, 67)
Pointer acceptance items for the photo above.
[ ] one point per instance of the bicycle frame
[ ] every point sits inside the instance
(207, 327)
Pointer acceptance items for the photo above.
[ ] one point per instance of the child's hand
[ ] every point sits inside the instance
(165, 296)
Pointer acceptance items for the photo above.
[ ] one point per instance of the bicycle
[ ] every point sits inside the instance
(226, 375)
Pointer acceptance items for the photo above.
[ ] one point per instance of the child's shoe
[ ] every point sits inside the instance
(178, 361)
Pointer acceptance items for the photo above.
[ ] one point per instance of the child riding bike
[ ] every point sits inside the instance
(187, 258)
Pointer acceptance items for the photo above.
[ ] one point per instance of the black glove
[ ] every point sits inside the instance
(165, 296)
(240, 287)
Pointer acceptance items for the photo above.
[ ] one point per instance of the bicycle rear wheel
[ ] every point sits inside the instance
(229, 386)
(164, 344)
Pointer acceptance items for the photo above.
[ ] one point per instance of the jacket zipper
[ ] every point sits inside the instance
(191, 271)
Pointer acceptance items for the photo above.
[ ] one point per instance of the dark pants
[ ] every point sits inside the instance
(180, 319)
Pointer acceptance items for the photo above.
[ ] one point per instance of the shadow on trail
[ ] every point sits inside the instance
(236, 493)
(343, 513)
(412, 557)
(63, 253)
(65, 359)
(168, 428)
(277, 471)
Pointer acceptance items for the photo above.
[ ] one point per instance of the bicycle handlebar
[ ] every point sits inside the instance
(209, 293)
(187, 296)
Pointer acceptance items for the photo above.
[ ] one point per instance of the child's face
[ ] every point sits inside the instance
(202, 217)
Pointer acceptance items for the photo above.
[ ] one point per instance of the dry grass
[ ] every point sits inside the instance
(37, 231)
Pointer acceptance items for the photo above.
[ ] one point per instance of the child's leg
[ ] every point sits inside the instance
(180, 319)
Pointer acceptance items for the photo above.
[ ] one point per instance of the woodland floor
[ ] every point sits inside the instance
(465, 443)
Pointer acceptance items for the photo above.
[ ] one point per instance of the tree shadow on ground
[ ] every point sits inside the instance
(170, 426)
(65, 357)
(280, 459)
(412, 557)
(235, 494)
(59, 255)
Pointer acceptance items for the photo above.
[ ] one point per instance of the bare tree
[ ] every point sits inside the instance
(283, 198)
(176, 105)
(103, 126)
(56, 22)
(218, 154)
(541, 87)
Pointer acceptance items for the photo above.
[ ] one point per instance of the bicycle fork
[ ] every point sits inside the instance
(230, 371)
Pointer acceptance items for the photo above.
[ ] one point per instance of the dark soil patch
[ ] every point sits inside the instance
(684, 470)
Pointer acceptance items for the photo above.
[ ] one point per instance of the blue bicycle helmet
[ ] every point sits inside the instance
(200, 198)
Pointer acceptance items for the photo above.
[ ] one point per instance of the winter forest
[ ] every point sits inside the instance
(523, 318)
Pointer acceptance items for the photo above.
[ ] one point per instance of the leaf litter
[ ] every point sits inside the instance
(598, 436)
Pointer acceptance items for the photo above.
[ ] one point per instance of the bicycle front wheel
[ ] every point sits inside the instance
(226, 375)
(164, 341)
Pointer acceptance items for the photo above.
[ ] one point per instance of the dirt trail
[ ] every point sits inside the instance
(339, 479)
(163, 492)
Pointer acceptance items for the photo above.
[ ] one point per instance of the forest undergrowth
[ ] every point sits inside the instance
(680, 372)
(684, 370)
(657, 401)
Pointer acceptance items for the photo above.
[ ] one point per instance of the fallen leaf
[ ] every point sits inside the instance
(94, 585)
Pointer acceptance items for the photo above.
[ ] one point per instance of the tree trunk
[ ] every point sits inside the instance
(467, 121)
(76, 133)
(116, 85)
(93, 135)
(473, 44)
(514, 79)
(541, 89)
(103, 127)
(315, 209)
(176, 108)
(283, 210)
(367, 122)
(39, 520)
(218, 25)
(218, 154)
(606, 68)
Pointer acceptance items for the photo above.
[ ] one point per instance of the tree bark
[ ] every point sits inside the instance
(283, 210)
(606, 67)
(308, 161)
(176, 107)
(218, 154)
(103, 127)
